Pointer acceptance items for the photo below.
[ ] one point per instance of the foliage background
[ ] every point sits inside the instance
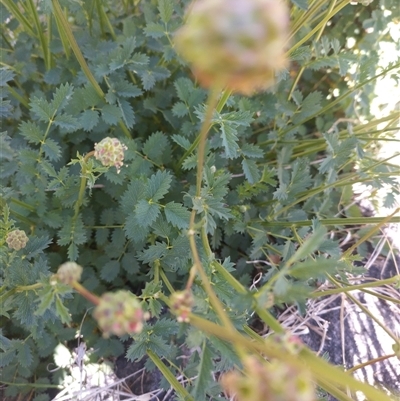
(280, 166)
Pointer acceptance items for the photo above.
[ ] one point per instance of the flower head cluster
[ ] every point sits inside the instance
(69, 272)
(119, 313)
(235, 43)
(110, 152)
(181, 304)
(269, 381)
(17, 239)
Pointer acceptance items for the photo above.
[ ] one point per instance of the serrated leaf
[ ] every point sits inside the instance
(204, 377)
(46, 301)
(184, 87)
(5, 343)
(155, 307)
(67, 122)
(61, 97)
(390, 200)
(5, 76)
(146, 213)
(62, 311)
(297, 96)
(7, 357)
(24, 354)
(75, 234)
(154, 30)
(181, 141)
(110, 270)
(250, 150)
(159, 346)
(158, 185)
(309, 245)
(133, 230)
(89, 119)
(177, 215)
(111, 114)
(124, 88)
(229, 140)
(166, 8)
(127, 112)
(153, 252)
(301, 53)
(314, 268)
(148, 79)
(42, 109)
(180, 109)
(137, 350)
(36, 245)
(51, 149)
(251, 171)
(157, 147)
(310, 105)
(31, 132)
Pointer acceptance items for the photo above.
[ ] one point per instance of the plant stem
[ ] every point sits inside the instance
(94, 299)
(31, 287)
(172, 380)
(224, 98)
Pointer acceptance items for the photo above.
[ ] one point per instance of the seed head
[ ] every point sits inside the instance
(181, 305)
(235, 43)
(69, 272)
(17, 239)
(119, 313)
(262, 381)
(110, 152)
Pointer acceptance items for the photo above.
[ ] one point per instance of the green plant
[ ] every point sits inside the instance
(193, 188)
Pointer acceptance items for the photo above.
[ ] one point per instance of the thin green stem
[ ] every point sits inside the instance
(166, 281)
(16, 12)
(75, 48)
(350, 221)
(224, 98)
(172, 380)
(31, 287)
(370, 362)
(362, 287)
(42, 38)
(94, 299)
(344, 181)
(302, 69)
(371, 232)
(321, 369)
(319, 26)
(366, 311)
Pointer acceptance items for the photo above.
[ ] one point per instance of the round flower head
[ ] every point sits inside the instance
(181, 304)
(262, 381)
(69, 272)
(17, 239)
(119, 313)
(110, 152)
(236, 43)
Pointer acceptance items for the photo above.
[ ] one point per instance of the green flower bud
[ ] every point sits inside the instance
(235, 43)
(119, 313)
(17, 239)
(181, 304)
(110, 152)
(69, 272)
